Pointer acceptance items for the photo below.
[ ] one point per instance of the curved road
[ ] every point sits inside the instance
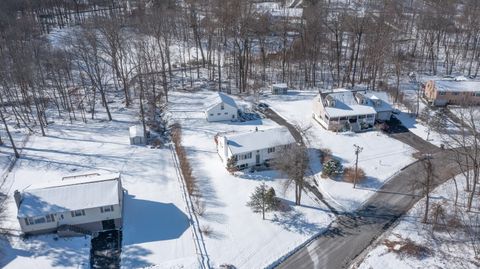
(350, 234)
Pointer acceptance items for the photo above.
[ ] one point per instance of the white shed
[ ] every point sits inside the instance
(280, 88)
(137, 136)
(221, 108)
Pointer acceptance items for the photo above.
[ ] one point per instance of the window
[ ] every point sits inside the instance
(455, 93)
(29, 221)
(442, 93)
(39, 220)
(271, 150)
(222, 106)
(226, 113)
(245, 156)
(362, 116)
(78, 213)
(106, 209)
(218, 114)
(211, 114)
(50, 218)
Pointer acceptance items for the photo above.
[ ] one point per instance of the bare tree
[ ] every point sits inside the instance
(293, 161)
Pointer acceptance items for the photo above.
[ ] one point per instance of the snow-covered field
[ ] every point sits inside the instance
(239, 236)
(443, 250)
(381, 157)
(156, 229)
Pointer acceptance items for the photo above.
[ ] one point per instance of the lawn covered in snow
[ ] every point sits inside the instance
(442, 248)
(237, 235)
(381, 157)
(156, 228)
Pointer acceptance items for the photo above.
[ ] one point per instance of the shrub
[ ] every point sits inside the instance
(206, 230)
(232, 165)
(332, 167)
(185, 168)
(349, 174)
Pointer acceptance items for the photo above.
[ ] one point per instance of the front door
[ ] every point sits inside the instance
(257, 159)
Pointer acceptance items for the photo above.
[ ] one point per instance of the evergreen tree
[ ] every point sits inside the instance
(263, 200)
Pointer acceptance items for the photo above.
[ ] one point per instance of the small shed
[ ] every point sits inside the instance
(280, 88)
(137, 136)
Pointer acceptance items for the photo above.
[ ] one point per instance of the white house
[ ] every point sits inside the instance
(221, 108)
(380, 102)
(76, 205)
(254, 147)
(280, 88)
(351, 110)
(137, 135)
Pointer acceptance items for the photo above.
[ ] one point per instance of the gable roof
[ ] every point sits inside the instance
(71, 194)
(345, 104)
(257, 140)
(382, 99)
(220, 98)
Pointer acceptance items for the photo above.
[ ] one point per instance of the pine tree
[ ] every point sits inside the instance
(263, 200)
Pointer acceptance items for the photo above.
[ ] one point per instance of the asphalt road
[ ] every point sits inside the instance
(351, 234)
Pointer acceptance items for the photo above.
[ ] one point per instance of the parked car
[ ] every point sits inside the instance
(262, 106)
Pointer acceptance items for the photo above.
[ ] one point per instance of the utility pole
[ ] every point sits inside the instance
(358, 149)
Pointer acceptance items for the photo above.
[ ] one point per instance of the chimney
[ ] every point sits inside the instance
(256, 129)
(18, 198)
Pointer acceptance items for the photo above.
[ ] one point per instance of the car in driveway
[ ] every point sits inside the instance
(262, 106)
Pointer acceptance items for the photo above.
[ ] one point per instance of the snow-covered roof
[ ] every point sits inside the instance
(381, 99)
(70, 194)
(457, 85)
(220, 98)
(345, 104)
(280, 85)
(257, 140)
(136, 131)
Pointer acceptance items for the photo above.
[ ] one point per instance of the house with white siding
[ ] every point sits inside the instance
(351, 110)
(221, 108)
(252, 148)
(81, 204)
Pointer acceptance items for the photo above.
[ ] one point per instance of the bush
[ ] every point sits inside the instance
(185, 168)
(206, 230)
(349, 174)
(332, 167)
(232, 165)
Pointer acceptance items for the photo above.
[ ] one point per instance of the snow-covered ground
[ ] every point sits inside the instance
(238, 236)
(156, 230)
(381, 157)
(443, 249)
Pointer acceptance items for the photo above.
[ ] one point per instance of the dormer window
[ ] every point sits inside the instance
(222, 106)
